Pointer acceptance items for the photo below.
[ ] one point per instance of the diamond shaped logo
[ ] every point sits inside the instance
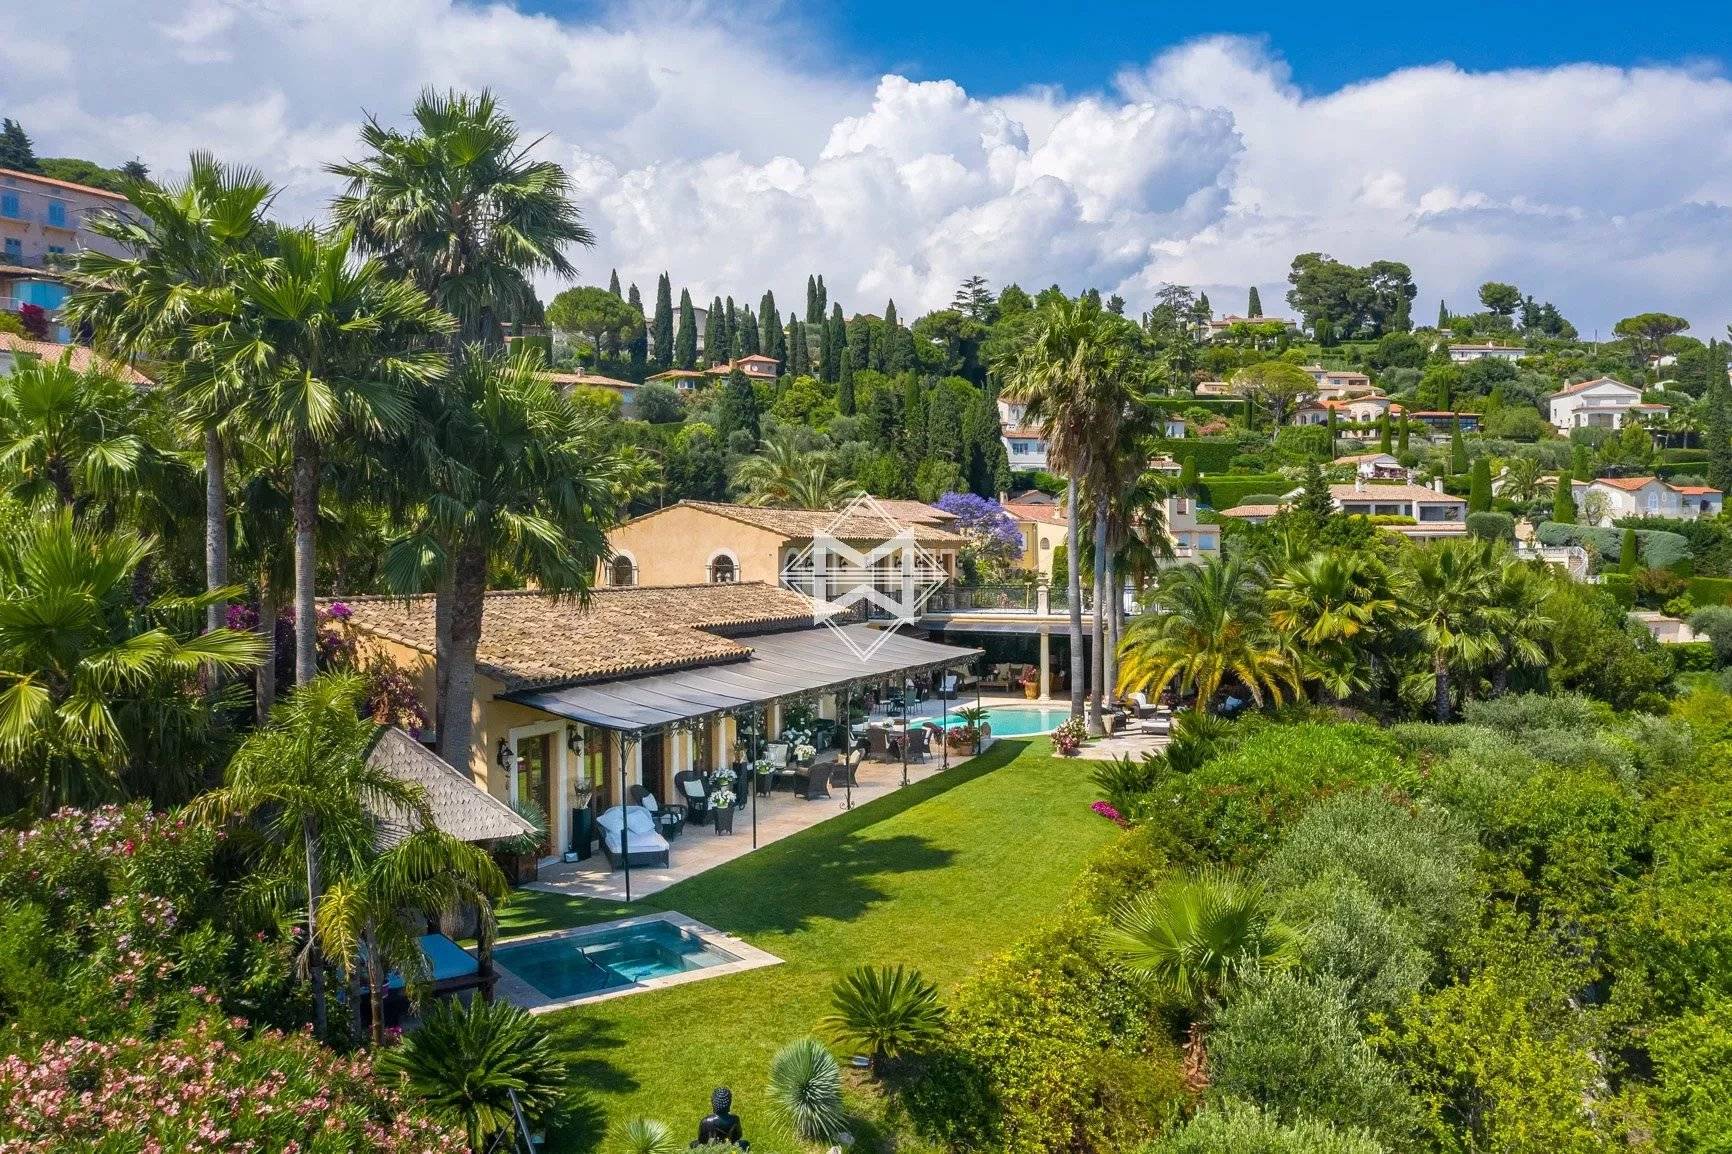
(865, 558)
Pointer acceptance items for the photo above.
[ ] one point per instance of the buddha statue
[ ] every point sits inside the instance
(722, 1126)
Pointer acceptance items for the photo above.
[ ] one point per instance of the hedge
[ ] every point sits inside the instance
(1659, 549)
(1226, 492)
(1213, 455)
(1621, 586)
(1705, 591)
(1491, 526)
(1693, 656)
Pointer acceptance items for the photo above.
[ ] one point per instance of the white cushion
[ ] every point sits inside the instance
(694, 788)
(612, 820)
(640, 820)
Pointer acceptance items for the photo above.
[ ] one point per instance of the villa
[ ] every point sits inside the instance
(1024, 444)
(685, 380)
(574, 704)
(1425, 513)
(755, 367)
(626, 391)
(43, 222)
(711, 543)
(1648, 497)
(1602, 403)
(1462, 354)
(1335, 383)
(1374, 466)
(1445, 420)
(1223, 326)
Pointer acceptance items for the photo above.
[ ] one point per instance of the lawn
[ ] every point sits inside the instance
(940, 875)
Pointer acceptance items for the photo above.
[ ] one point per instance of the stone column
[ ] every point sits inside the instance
(1045, 660)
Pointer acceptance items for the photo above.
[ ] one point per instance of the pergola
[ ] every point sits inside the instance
(787, 666)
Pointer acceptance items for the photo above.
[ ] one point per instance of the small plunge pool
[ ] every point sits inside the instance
(619, 957)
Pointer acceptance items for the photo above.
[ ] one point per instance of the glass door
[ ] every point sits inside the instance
(535, 781)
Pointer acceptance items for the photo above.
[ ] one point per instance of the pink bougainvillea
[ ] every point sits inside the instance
(1106, 810)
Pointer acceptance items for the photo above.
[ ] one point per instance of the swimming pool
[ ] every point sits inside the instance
(576, 965)
(1015, 720)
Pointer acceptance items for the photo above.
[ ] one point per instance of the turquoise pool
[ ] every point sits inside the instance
(1015, 720)
(572, 965)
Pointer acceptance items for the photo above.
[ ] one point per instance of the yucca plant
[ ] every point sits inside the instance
(1194, 935)
(806, 1090)
(642, 1136)
(463, 1065)
(884, 1011)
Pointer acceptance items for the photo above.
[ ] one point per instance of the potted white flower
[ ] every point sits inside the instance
(804, 752)
(722, 806)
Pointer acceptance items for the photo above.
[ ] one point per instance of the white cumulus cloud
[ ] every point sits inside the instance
(725, 149)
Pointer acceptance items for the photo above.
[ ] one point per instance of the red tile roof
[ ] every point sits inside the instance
(81, 358)
(40, 179)
(1571, 390)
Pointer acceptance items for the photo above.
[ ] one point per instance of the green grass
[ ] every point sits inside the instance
(941, 876)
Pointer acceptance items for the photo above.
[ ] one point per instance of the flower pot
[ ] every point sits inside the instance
(724, 820)
(518, 868)
(1030, 690)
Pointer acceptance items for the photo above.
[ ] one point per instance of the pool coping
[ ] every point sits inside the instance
(520, 993)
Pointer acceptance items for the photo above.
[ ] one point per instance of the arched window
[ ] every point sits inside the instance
(722, 571)
(622, 572)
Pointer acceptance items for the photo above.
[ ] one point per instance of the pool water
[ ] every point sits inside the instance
(1015, 720)
(578, 964)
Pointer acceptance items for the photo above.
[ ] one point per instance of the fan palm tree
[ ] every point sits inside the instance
(1519, 618)
(1055, 373)
(459, 207)
(177, 254)
(1137, 541)
(1326, 606)
(305, 781)
(515, 477)
(64, 433)
(89, 676)
(428, 873)
(327, 347)
(1193, 936)
(785, 477)
(1446, 590)
(1210, 629)
(465, 1064)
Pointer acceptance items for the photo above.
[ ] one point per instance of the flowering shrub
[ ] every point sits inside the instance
(335, 645)
(1106, 810)
(209, 1088)
(1068, 738)
(391, 696)
(993, 540)
(111, 917)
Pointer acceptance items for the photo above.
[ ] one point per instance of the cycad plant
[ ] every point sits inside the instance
(885, 1011)
(1193, 936)
(465, 1063)
(806, 1090)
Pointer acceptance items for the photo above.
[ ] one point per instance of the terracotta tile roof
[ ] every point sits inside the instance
(676, 375)
(529, 638)
(797, 524)
(1627, 484)
(460, 807)
(592, 380)
(1695, 490)
(83, 359)
(1361, 458)
(1049, 514)
(1249, 511)
(38, 178)
(1570, 390)
(759, 358)
(1391, 493)
(915, 512)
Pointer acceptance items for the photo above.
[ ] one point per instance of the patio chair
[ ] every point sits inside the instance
(917, 744)
(877, 743)
(691, 788)
(814, 783)
(849, 771)
(670, 819)
(1142, 706)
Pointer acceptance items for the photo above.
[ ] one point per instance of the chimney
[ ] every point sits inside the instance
(1437, 484)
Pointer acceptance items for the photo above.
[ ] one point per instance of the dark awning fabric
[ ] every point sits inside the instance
(781, 665)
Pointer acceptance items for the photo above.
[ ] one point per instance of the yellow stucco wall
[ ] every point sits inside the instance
(676, 545)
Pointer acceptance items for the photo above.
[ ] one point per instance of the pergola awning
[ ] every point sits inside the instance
(782, 665)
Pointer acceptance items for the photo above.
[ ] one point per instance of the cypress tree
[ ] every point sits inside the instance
(609, 348)
(738, 409)
(638, 349)
(686, 339)
(1479, 486)
(813, 313)
(845, 373)
(1250, 414)
(846, 404)
(662, 327)
(1383, 433)
(1457, 450)
(752, 342)
(770, 340)
(731, 329)
(1334, 431)
(1401, 442)
(1564, 503)
(1204, 309)
(799, 356)
(613, 282)
(1581, 464)
(1442, 315)
(1627, 558)
(837, 332)
(823, 297)
(885, 348)
(715, 333)
(1254, 306)
(1188, 476)
(1717, 420)
(823, 367)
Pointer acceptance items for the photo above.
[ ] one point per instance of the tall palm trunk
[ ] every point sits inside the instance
(375, 990)
(468, 598)
(1440, 701)
(306, 499)
(484, 951)
(216, 524)
(1098, 634)
(444, 596)
(1115, 624)
(315, 960)
(1073, 545)
(265, 680)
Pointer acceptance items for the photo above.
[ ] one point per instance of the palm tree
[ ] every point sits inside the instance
(305, 781)
(1518, 611)
(1446, 589)
(362, 925)
(1210, 629)
(178, 253)
(1137, 540)
(1193, 936)
(460, 208)
(515, 477)
(326, 347)
(64, 433)
(1056, 372)
(885, 1011)
(1525, 482)
(466, 1064)
(785, 477)
(90, 678)
(1326, 606)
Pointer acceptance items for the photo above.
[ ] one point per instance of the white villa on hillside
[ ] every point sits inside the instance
(1433, 512)
(1647, 497)
(1462, 354)
(1338, 382)
(1374, 466)
(1024, 444)
(1602, 403)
